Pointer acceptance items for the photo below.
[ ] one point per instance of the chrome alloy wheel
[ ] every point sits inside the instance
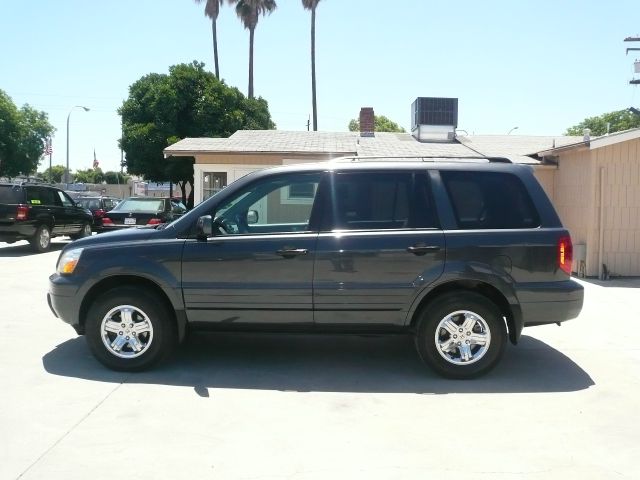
(86, 230)
(44, 238)
(126, 331)
(462, 337)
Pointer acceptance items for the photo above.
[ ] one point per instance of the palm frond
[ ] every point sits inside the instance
(310, 4)
(211, 7)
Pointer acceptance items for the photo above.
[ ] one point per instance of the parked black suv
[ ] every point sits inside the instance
(39, 212)
(462, 255)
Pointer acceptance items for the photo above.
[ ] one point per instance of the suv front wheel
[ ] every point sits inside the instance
(129, 329)
(461, 335)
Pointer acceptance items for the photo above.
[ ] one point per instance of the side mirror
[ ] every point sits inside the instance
(252, 217)
(204, 227)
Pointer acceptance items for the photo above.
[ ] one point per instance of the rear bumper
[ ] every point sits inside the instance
(17, 231)
(547, 303)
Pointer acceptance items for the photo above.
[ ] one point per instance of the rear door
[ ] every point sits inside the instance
(46, 208)
(380, 246)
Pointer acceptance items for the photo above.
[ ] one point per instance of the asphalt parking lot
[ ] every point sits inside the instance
(562, 404)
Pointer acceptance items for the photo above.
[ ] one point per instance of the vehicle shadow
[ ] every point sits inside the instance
(24, 249)
(325, 363)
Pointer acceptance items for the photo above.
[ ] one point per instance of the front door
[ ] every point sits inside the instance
(72, 215)
(258, 265)
(380, 248)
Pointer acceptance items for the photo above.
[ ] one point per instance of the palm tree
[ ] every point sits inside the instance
(311, 5)
(212, 10)
(248, 12)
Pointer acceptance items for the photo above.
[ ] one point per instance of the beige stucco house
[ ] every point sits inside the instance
(596, 191)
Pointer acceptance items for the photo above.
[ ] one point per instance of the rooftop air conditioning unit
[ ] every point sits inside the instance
(434, 119)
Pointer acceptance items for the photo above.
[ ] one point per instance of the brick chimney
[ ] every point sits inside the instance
(367, 122)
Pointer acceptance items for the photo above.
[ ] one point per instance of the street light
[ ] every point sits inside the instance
(66, 172)
(514, 128)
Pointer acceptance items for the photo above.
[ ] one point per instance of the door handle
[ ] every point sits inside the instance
(421, 249)
(291, 252)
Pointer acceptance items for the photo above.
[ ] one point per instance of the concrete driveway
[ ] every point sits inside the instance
(562, 404)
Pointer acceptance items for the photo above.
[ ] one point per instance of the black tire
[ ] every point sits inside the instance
(158, 344)
(41, 240)
(442, 353)
(84, 232)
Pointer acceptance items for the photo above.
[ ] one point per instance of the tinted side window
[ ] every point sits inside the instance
(65, 199)
(109, 204)
(381, 200)
(41, 196)
(489, 200)
(279, 204)
(177, 207)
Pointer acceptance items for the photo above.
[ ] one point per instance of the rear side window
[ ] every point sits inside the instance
(381, 201)
(489, 200)
(11, 194)
(41, 196)
(109, 204)
(90, 203)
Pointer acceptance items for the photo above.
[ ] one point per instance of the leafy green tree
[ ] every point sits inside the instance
(249, 12)
(115, 178)
(312, 5)
(90, 175)
(54, 174)
(212, 10)
(22, 136)
(188, 102)
(382, 124)
(618, 121)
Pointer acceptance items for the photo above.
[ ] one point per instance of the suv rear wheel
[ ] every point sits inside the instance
(41, 241)
(130, 330)
(461, 335)
(85, 231)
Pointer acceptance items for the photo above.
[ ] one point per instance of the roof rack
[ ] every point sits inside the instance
(421, 158)
(19, 182)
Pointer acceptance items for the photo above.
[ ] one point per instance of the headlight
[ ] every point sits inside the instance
(69, 260)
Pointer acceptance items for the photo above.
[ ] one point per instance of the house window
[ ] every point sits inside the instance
(298, 194)
(212, 183)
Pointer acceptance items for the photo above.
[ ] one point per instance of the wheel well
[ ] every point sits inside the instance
(123, 281)
(482, 288)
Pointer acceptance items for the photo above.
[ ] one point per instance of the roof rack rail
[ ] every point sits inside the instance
(18, 182)
(422, 158)
(33, 181)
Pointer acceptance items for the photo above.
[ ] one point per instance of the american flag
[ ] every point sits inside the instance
(48, 147)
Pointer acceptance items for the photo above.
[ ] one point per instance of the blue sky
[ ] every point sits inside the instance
(539, 65)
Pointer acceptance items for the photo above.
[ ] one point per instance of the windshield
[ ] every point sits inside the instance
(140, 205)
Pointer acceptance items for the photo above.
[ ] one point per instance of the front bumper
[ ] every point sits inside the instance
(63, 301)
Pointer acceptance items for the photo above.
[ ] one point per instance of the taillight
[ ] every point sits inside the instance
(107, 221)
(565, 254)
(99, 213)
(22, 212)
(154, 221)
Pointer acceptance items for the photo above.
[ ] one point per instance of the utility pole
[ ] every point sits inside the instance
(634, 81)
(308, 123)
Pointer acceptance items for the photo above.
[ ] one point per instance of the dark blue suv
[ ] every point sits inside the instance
(462, 254)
